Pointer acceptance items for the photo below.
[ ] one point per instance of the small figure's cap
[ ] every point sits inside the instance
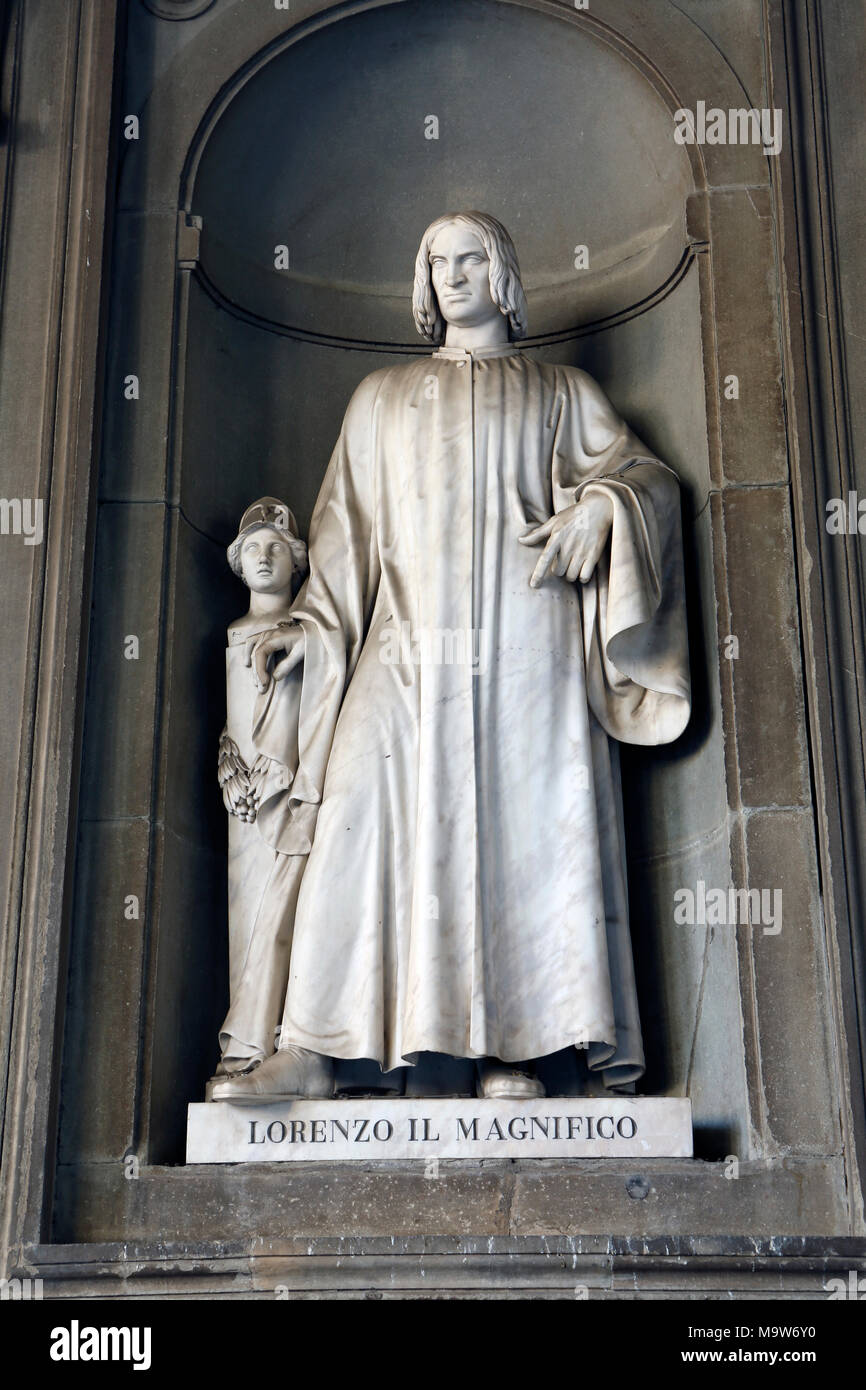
(269, 511)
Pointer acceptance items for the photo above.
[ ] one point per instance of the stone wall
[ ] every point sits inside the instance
(711, 261)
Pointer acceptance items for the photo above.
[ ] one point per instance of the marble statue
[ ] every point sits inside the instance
(271, 559)
(495, 598)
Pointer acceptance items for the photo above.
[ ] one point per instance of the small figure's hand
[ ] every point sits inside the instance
(260, 649)
(573, 539)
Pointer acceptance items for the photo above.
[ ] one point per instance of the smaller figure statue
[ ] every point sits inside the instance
(269, 557)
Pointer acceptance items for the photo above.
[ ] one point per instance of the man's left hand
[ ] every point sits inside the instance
(573, 540)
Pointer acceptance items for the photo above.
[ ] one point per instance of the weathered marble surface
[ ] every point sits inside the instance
(312, 1130)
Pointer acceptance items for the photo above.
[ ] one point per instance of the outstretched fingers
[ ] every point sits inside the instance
(261, 654)
(536, 534)
(289, 662)
(546, 562)
(591, 559)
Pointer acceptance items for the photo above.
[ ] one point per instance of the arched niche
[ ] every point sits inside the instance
(256, 126)
(323, 149)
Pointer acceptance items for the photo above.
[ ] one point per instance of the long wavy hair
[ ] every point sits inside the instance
(506, 288)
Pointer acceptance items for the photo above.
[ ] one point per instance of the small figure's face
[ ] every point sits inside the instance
(266, 561)
(460, 270)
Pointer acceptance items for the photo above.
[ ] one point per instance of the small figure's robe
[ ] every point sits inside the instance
(263, 884)
(456, 788)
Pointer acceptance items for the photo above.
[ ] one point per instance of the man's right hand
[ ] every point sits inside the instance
(261, 648)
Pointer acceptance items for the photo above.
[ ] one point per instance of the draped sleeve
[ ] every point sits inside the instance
(295, 718)
(634, 614)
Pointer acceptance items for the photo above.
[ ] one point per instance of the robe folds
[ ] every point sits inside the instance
(456, 784)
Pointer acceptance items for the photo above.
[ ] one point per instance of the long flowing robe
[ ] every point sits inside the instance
(457, 789)
(262, 883)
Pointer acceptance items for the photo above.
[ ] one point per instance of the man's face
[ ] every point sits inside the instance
(460, 271)
(266, 561)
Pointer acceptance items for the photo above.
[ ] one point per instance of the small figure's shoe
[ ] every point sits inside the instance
(499, 1081)
(293, 1073)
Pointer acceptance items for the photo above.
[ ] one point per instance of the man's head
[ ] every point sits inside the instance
(466, 273)
(267, 553)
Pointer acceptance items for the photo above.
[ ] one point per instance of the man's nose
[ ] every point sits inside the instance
(455, 273)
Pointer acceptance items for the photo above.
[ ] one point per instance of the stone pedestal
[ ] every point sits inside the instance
(365, 1129)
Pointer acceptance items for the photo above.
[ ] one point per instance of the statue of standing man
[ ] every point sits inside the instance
(495, 598)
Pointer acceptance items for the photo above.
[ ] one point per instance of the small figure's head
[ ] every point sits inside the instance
(267, 553)
(466, 273)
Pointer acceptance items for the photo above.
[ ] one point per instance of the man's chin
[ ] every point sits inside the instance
(467, 319)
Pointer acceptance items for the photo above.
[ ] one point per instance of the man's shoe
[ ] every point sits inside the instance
(499, 1081)
(293, 1073)
(231, 1067)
